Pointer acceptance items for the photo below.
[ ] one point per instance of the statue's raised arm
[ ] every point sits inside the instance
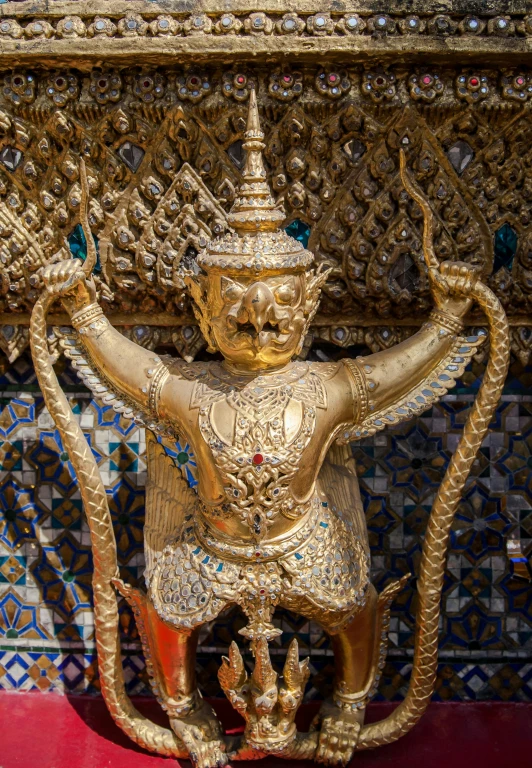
(131, 371)
(392, 385)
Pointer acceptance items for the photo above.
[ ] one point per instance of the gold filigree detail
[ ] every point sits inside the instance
(259, 461)
(158, 377)
(86, 316)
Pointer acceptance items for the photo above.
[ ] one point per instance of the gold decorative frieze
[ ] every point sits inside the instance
(130, 32)
(164, 158)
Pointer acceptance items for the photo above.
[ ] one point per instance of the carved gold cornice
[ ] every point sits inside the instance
(169, 321)
(82, 33)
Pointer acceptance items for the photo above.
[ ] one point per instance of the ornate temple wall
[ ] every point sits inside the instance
(339, 94)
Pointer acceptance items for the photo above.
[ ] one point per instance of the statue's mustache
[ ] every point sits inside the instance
(277, 329)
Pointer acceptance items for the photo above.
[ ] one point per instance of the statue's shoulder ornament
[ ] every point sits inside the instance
(325, 371)
(368, 419)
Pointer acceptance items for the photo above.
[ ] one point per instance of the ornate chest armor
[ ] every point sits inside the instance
(260, 455)
(257, 430)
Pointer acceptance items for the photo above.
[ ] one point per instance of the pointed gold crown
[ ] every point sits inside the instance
(257, 244)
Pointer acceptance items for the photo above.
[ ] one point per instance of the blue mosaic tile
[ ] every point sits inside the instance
(45, 566)
(13, 570)
(18, 413)
(20, 513)
(63, 571)
(126, 504)
(52, 462)
(183, 458)
(106, 416)
(18, 620)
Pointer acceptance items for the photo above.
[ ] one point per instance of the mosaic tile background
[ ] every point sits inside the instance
(46, 625)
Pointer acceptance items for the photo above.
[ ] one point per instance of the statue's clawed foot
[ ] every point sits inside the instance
(201, 733)
(339, 732)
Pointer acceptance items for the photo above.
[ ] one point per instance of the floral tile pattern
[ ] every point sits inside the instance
(46, 622)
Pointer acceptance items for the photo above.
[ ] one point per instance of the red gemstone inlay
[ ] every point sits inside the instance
(257, 554)
(102, 83)
(287, 79)
(258, 458)
(379, 80)
(262, 591)
(146, 83)
(474, 81)
(241, 79)
(194, 81)
(427, 80)
(520, 80)
(333, 78)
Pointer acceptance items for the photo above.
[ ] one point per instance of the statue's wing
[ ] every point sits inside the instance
(338, 480)
(422, 396)
(168, 494)
(168, 499)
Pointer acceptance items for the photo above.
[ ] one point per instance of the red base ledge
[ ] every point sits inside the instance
(51, 731)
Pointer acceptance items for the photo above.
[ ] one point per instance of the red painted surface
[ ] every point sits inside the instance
(50, 731)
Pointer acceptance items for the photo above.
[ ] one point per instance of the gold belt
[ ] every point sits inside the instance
(220, 545)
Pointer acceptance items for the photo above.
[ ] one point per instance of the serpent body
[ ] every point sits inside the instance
(430, 581)
(136, 726)
(436, 542)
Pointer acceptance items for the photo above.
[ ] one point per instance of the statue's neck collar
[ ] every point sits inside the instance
(241, 371)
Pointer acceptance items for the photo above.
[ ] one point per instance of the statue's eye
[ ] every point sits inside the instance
(231, 291)
(285, 294)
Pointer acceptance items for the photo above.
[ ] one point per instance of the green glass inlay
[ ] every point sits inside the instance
(504, 247)
(78, 246)
(68, 576)
(299, 231)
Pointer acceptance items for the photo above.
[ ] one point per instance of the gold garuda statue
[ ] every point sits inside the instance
(277, 518)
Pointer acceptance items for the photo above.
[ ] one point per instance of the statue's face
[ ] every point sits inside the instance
(258, 323)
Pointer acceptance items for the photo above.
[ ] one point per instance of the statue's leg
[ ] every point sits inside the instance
(356, 658)
(173, 661)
